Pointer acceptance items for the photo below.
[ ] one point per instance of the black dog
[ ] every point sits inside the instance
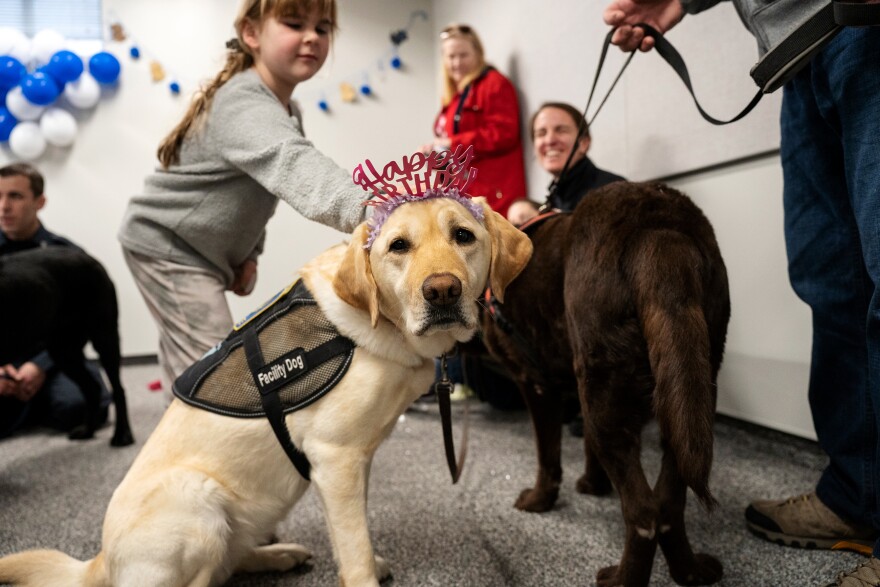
(626, 300)
(59, 298)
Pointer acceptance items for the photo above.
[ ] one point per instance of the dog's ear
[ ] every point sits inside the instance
(354, 282)
(511, 251)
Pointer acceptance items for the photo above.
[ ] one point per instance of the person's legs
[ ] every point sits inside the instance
(13, 415)
(61, 405)
(831, 166)
(189, 306)
(851, 101)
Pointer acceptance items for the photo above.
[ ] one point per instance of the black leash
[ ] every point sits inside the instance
(665, 49)
(443, 388)
(554, 186)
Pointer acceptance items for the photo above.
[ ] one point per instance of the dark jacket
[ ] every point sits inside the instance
(578, 180)
(42, 238)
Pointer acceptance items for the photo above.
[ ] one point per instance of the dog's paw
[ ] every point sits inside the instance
(705, 570)
(81, 432)
(122, 438)
(597, 485)
(535, 500)
(284, 557)
(609, 577)
(383, 569)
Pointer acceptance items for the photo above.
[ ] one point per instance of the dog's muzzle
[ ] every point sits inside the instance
(442, 292)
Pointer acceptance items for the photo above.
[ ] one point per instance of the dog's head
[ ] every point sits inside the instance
(429, 264)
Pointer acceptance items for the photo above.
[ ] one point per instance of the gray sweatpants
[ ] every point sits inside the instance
(189, 306)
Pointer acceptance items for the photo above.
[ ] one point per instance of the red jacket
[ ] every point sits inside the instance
(490, 122)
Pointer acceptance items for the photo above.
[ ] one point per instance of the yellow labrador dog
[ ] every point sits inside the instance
(207, 490)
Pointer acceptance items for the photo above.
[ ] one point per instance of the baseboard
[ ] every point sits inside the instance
(769, 392)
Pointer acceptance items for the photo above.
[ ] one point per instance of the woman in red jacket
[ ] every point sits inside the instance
(480, 108)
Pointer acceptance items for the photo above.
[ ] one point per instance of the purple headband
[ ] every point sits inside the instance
(384, 209)
(445, 174)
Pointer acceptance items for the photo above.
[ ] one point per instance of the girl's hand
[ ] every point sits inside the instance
(245, 278)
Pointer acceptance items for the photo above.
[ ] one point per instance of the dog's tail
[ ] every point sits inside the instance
(672, 288)
(51, 568)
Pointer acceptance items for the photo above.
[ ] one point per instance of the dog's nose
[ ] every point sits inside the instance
(441, 289)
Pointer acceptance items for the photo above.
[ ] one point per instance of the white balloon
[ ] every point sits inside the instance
(23, 51)
(26, 140)
(20, 107)
(58, 127)
(10, 38)
(45, 44)
(82, 93)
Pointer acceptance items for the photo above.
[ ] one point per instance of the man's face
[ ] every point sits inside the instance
(555, 133)
(19, 207)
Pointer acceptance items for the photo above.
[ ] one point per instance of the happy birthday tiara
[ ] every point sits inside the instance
(445, 174)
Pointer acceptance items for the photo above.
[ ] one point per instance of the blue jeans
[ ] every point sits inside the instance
(59, 404)
(831, 165)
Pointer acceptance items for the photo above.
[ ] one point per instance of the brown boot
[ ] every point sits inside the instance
(805, 522)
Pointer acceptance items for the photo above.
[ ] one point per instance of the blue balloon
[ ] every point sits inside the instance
(174, 87)
(366, 90)
(396, 63)
(104, 67)
(65, 66)
(39, 88)
(323, 105)
(7, 123)
(135, 53)
(11, 72)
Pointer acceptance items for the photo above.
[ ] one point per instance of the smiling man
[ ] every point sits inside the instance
(555, 128)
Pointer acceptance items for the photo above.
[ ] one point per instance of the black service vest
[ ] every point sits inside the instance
(279, 359)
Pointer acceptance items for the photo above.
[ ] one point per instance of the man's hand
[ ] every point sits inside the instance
(245, 278)
(623, 14)
(8, 385)
(27, 380)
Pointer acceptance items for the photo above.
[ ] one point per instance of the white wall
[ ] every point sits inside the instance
(650, 128)
(89, 184)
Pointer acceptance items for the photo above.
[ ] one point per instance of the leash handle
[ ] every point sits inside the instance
(665, 49)
(443, 388)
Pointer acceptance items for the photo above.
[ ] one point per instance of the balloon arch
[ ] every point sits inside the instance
(40, 83)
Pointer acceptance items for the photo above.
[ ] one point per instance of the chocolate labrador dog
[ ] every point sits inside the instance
(58, 299)
(626, 300)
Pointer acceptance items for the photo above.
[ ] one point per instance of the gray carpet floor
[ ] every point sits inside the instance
(53, 494)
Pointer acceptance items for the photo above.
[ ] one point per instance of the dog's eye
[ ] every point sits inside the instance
(399, 246)
(464, 236)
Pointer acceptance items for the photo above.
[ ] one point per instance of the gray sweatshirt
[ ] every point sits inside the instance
(211, 209)
(769, 21)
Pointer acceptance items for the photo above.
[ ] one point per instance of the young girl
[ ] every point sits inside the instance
(200, 225)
